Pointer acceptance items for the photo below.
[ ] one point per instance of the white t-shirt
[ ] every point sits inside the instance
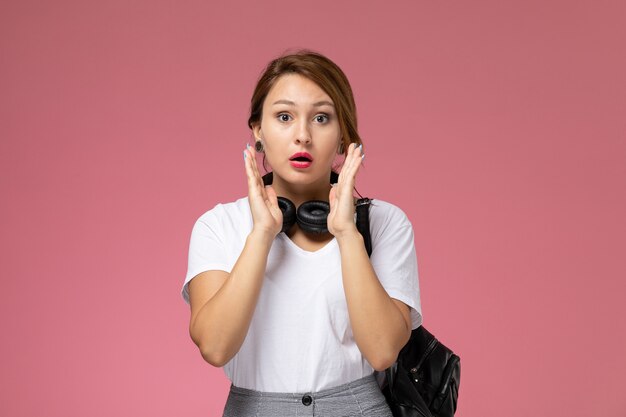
(300, 339)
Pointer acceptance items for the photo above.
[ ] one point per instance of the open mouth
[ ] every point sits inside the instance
(301, 157)
(301, 160)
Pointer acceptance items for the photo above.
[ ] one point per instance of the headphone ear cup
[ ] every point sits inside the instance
(289, 213)
(312, 216)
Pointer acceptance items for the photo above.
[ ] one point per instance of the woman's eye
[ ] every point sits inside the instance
(283, 117)
(321, 118)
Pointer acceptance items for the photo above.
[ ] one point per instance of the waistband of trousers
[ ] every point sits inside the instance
(366, 380)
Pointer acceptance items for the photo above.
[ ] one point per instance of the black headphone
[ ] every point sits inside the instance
(311, 216)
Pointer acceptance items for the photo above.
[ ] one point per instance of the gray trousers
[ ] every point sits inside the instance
(357, 398)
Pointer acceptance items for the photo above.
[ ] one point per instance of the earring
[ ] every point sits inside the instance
(258, 146)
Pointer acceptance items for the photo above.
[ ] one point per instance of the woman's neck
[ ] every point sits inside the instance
(300, 193)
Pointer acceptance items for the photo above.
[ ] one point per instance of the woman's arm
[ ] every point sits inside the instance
(381, 325)
(222, 304)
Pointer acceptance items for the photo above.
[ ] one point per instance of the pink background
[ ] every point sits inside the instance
(498, 127)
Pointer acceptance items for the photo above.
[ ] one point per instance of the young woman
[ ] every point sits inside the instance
(301, 320)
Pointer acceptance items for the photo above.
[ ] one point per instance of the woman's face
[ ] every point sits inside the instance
(299, 130)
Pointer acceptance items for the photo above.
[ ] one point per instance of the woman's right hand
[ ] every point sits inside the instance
(266, 214)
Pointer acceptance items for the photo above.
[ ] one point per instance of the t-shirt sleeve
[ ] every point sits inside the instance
(393, 258)
(207, 249)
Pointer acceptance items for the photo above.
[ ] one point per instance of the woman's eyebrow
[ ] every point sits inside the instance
(316, 104)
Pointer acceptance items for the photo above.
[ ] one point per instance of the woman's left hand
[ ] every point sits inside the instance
(341, 216)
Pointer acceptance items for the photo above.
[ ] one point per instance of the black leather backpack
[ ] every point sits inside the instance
(424, 381)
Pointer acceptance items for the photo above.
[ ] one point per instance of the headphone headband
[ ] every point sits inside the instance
(269, 178)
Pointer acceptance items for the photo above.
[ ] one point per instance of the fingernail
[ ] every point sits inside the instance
(361, 147)
(247, 146)
(362, 157)
(244, 155)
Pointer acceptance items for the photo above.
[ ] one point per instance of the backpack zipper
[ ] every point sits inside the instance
(427, 352)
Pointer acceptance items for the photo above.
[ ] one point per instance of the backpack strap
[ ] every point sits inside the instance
(363, 222)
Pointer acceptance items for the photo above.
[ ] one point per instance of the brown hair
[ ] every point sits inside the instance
(322, 71)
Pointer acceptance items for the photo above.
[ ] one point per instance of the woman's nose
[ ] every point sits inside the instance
(303, 135)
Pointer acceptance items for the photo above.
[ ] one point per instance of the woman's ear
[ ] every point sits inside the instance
(341, 149)
(256, 131)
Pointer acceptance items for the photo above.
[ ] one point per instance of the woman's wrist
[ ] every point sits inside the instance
(261, 236)
(348, 235)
